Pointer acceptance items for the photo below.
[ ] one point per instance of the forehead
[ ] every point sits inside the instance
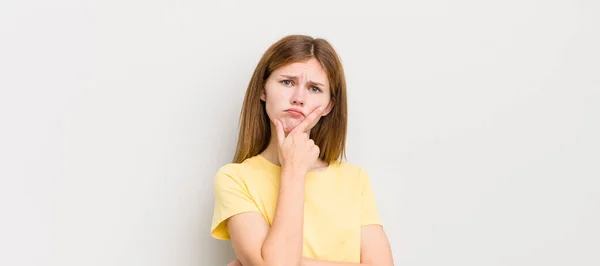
(311, 70)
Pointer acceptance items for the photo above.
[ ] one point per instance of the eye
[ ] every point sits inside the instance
(315, 89)
(286, 82)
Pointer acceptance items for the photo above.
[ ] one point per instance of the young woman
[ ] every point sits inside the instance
(287, 198)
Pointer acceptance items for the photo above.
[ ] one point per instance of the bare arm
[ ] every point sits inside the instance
(311, 262)
(250, 228)
(253, 241)
(257, 244)
(375, 247)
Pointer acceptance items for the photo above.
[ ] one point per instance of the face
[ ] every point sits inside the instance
(294, 91)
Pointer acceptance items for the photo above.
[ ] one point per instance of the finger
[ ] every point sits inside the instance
(279, 131)
(310, 118)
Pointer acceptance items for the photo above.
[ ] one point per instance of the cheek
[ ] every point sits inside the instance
(270, 109)
(320, 101)
(275, 99)
(273, 105)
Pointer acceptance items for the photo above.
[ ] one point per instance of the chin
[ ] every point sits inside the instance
(289, 123)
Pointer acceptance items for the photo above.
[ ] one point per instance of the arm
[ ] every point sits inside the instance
(375, 248)
(311, 262)
(255, 244)
(249, 231)
(253, 241)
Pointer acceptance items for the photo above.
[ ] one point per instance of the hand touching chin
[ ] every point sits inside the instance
(289, 123)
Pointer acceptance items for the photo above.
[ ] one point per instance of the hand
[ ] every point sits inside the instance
(296, 150)
(235, 263)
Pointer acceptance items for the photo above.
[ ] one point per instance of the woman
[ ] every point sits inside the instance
(287, 198)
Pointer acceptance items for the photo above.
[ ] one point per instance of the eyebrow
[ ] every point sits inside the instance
(296, 78)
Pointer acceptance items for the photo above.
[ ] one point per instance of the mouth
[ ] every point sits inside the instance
(294, 112)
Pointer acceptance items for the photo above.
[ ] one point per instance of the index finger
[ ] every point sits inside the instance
(310, 118)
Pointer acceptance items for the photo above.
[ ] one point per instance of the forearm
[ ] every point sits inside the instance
(283, 244)
(311, 262)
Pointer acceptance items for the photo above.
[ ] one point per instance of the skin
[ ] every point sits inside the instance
(303, 86)
(253, 240)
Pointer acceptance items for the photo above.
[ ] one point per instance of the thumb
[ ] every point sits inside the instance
(279, 131)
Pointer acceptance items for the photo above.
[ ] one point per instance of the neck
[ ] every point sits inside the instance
(271, 153)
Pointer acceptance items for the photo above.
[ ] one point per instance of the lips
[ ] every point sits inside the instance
(294, 112)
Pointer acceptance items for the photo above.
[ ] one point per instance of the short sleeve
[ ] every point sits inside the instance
(231, 197)
(369, 212)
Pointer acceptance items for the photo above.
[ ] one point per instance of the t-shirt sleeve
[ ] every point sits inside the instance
(231, 197)
(369, 212)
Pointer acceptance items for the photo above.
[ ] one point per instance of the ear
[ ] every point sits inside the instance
(263, 96)
(329, 107)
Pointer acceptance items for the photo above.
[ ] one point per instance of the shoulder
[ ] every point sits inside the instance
(236, 172)
(354, 173)
(349, 168)
(351, 171)
(230, 169)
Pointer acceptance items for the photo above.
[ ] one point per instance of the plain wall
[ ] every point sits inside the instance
(478, 122)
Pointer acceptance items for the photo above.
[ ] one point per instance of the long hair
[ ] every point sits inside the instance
(329, 134)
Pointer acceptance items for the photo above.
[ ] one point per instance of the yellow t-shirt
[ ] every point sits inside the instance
(338, 201)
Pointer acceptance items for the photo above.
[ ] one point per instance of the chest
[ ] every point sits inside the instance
(331, 217)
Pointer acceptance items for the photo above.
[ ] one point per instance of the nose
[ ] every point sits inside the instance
(298, 97)
(299, 102)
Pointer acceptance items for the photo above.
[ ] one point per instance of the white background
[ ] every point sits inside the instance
(478, 122)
